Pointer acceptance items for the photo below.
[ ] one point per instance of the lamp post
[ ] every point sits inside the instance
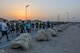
(67, 16)
(26, 11)
(73, 19)
(58, 19)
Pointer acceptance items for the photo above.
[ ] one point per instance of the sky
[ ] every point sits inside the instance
(40, 9)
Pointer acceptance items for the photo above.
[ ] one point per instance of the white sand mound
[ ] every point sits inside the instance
(23, 41)
(43, 35)
(54, 28)
(51, 31)
(61, 27)
(2, 51)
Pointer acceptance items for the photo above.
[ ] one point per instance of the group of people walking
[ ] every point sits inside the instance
(22, 27)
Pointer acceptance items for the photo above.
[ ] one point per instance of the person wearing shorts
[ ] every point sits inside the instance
(12, 29)
(28, 27)
(21, 27)
(4, 30)
(17, 28)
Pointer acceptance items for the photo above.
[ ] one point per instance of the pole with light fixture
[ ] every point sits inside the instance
(67, 16)
(26, 11)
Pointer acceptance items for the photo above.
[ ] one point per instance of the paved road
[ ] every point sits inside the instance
(67, 41)
(5, 43)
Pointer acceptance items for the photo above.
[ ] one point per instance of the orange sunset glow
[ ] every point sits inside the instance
(39, 9)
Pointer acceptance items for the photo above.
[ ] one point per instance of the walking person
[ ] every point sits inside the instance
(52, 23)
(22, 27)
(48, 24)
(36, 26)
(12, 29)
(32, 26)
(4, 30)
(8, 24)
(17, 28)
(28, 27)
(43, 25)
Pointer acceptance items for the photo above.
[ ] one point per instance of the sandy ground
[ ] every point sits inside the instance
(67, 41)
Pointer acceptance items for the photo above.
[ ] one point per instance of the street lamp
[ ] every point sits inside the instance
(73, 19)
(26, 11)
(58, 19)
(67, 16)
